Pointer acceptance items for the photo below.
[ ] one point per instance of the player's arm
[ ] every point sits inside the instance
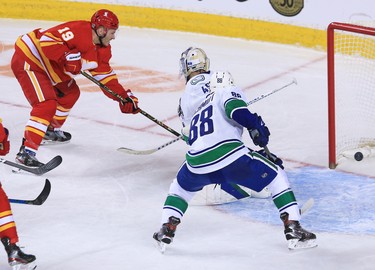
(131, 103)
(106, 75)
(237, 110)
(53, 46)
(59, 45)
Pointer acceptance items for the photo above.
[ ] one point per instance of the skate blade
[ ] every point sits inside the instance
(16, 171)
(29, 266)
(53, 143)
(295, 244)
(161, 246)
(19, 171)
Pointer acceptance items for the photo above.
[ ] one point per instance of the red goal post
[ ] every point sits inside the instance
(351, 90)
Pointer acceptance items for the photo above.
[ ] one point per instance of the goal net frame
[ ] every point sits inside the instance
(350, 29)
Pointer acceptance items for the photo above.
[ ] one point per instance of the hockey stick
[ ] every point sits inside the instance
(40, 199)
(147, 152)
(307, 206)
(294, 81)
(114, 94)
(50, 165)
(268, 152)
(151, 151)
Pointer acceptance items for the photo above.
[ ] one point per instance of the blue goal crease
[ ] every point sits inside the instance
(344, 202)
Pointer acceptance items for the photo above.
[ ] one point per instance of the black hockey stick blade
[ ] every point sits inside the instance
(50, 165)
(42, 197)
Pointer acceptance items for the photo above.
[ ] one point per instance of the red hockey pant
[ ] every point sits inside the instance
(50, 103)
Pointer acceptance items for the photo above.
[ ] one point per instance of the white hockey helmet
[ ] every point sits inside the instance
(193, 59)
(221, 79)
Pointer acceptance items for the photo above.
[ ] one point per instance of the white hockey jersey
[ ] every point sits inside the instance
(215, 139)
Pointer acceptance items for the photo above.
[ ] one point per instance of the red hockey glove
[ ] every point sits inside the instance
(73, 63)
(4, 143)
(131, 104)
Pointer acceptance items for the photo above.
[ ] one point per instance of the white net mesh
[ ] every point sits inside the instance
(354, 91)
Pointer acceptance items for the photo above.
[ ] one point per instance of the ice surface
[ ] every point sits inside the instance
(105, 205)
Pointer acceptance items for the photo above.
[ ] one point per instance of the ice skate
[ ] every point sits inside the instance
(27, 158)
(16, 258)
(56, 136)
(297, 237)
(166, 233)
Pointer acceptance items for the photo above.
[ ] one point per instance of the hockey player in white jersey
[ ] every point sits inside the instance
(195, 67)
(217, 155)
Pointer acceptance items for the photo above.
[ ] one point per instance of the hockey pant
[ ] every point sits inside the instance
(252, 171)
(50, 104)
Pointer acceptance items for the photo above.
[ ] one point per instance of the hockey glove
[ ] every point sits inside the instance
(4, 143)
(131, 103)
(275, 159)
(73, 63)
(260, 133)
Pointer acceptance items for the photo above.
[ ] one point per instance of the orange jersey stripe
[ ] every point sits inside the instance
(7, 226)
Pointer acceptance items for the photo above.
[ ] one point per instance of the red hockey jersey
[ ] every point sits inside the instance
(46, 49)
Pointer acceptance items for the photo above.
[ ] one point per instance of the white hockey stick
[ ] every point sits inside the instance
(151, 151)
(147, 152)
(294, 81)
(307, 206)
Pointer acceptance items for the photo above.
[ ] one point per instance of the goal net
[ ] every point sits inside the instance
(351, 91)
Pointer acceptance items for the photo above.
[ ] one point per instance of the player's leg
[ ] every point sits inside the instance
(256, 172)
(181, 191)
(284, 199)
(9, 236)
(39, 92)
(67, 95)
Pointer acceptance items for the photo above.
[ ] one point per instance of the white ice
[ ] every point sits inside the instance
(105, 205)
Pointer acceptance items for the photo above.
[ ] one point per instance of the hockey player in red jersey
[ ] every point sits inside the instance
(8, 231)
(45, 63)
